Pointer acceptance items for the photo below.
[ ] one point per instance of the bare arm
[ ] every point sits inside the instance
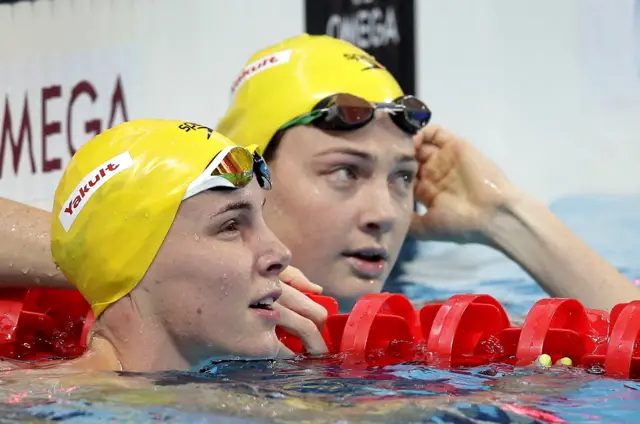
(25, 249)
(470, 200)
(564, 265)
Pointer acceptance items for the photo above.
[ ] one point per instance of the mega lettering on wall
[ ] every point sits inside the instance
(14, 144)
(49, 108)
(383, 28)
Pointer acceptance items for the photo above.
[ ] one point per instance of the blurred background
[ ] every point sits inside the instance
(549, 89)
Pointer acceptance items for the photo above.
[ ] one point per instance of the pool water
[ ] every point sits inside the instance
(320, 391)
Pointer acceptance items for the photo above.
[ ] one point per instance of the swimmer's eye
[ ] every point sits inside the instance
(404, 178)
(344, 173)
(230, 226)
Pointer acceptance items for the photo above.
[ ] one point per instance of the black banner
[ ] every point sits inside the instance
(383, 28)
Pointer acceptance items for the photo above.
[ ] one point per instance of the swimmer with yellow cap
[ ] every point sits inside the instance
(159, 225)
(337, 129)
(350, 153)
(340, 138)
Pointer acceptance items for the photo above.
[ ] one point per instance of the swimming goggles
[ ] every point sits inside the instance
(233, 167)
(344, 111)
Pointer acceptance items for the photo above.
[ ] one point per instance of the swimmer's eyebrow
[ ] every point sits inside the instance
(240, 205)
(407, 158)
(366, 156)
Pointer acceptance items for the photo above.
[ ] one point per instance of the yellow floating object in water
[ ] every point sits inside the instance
(565, 361)
(545, 360)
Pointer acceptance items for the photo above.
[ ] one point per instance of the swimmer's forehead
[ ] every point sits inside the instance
(220, 201)
(380, 140)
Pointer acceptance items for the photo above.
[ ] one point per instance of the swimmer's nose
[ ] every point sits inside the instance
(380, 214)
(276, 257)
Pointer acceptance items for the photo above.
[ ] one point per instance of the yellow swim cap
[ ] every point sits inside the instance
(118, 198)
(286, 80)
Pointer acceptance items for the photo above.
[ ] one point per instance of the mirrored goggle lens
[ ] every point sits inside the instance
(416, 113)
(236, 167)
(351, 109)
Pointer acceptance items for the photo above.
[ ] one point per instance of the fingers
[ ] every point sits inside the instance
(434, 134)
(302, 328)
(426, 154)
(427, 135)
(436, 162)
(425, 191)
(299, 315)
(435, 169)
(295, 278)
(425, 151)
(302, 305)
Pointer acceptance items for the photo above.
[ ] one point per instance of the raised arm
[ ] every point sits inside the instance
(469, 200)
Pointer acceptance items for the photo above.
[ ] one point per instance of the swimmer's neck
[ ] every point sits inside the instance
(122, 340)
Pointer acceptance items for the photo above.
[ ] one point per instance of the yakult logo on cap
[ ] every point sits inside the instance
(89, 185)
(254, 68)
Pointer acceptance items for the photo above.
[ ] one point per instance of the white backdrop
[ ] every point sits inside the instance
(550, 89)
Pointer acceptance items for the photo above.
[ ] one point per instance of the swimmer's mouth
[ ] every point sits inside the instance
(368, 255)
(265, 303)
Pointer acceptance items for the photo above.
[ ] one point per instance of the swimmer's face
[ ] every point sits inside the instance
(342, 202)
(217, 268)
